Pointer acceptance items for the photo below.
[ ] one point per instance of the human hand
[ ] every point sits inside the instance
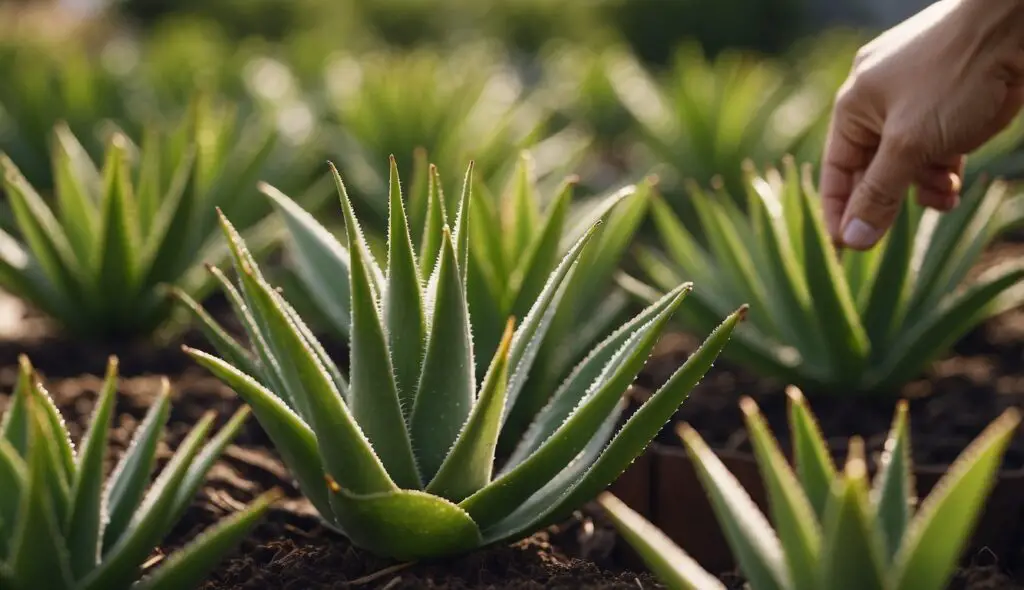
(919, 97)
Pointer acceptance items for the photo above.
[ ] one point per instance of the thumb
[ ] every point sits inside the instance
(876, 199)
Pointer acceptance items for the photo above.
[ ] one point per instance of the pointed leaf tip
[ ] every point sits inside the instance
(856, 464)
(794, 394)
(748, 406)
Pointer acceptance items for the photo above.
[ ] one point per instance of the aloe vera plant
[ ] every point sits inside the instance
(471, 104)
(96, 257)
(513, 247)
(833, 528)
(399, 454)
(61, 528)
(849, 323)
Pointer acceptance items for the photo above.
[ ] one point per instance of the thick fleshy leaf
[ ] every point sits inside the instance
(461, 234)
(120, 564)
(39, 557)
(13, 480)
(15, 424)
(41, 230)
(537, 261)
(292, 437)
(225, 344)
(318, 258)
(530, 335)
(522, 210)
(664, 558)
(504, 494)
(754, 544)
(345, 449)
(814, 464)
(639, 430)
(116, 253)
(447, 387)
(853, 550)
(469, 464)
(893, 489)
(130, 478)
(791, 511)
(437, 218)
(893, 283)
(946, 518)
(203, 462)
(84, 529)
(76, 184)
(355, 233)
(578, 383)
(404, 321)
(406, 524)
(188, 567)
(847, 342)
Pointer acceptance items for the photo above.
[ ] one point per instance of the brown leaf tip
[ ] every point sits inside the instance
(332, 484)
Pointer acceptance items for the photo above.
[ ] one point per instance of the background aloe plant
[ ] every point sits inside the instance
(471, 105)
(856, 322)
(61, 528)
(406, 441)
(514, 246)
(833, 529)
(95, 256)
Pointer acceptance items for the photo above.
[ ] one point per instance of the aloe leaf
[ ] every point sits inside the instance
(504, 494)
(355, 234)
(117, 257)
(446, 391)
(188, 567)
(119, 566)
(224, 343)
(406, 524)
(418, 194)
(681, 246)
(752, 540)
(663, 557)
(39, 557)
(15, 425)
(462, 233)
(76, 181)
(946, 518)
(347, 454)
(404, 321)
(437, 218)
(523, 209)
(319, 259)
(791, 511)
(846, 340)
(541, 256)
(468, 466)
(941, 327)
(128, 482)
(530, 335)
(14, 481)
(41, 230)
(852, 555)
(269, 369)
(60, 439)
(159, 254)
(639, 430)
(292, 437)
(894, 486)
(814, 464)
(892, 282)
(576, 386)
(203, 462)
(84, 528)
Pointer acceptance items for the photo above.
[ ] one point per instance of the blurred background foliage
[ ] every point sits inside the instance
(611, 90)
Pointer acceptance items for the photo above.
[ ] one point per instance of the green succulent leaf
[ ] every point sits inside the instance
(670, 563)
(892, 494)
(814, 464)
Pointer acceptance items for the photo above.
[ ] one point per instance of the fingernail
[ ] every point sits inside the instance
(859, 234)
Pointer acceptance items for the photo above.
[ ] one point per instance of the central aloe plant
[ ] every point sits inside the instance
(399, 454)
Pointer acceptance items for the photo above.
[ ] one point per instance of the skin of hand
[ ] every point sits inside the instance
(919, 97)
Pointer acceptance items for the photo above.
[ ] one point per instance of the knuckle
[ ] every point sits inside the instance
(877, 196)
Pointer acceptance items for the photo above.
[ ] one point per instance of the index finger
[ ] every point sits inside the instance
(843, 160)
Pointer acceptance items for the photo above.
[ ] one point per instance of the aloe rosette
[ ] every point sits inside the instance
(833, 528)
(836, 322)
(399, 454)
(62, 528)
(516, 239)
